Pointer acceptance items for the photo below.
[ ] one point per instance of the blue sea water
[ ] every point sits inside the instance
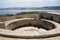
(2, 12)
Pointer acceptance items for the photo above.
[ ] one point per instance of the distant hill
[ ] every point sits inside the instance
(33, 8)
(52, 8)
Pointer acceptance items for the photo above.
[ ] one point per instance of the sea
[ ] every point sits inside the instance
(2, 12)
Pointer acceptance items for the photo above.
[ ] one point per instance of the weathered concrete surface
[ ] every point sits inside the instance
(40, 31)
(51, 31)
(28, 22)
(23, 33)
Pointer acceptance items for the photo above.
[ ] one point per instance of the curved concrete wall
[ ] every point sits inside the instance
(18, 23)
(31, 22)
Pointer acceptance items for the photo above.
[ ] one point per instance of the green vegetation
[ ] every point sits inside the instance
(17, 16)
(26, 13)
(9, 15)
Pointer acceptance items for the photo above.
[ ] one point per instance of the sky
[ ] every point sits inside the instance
(28, 3)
